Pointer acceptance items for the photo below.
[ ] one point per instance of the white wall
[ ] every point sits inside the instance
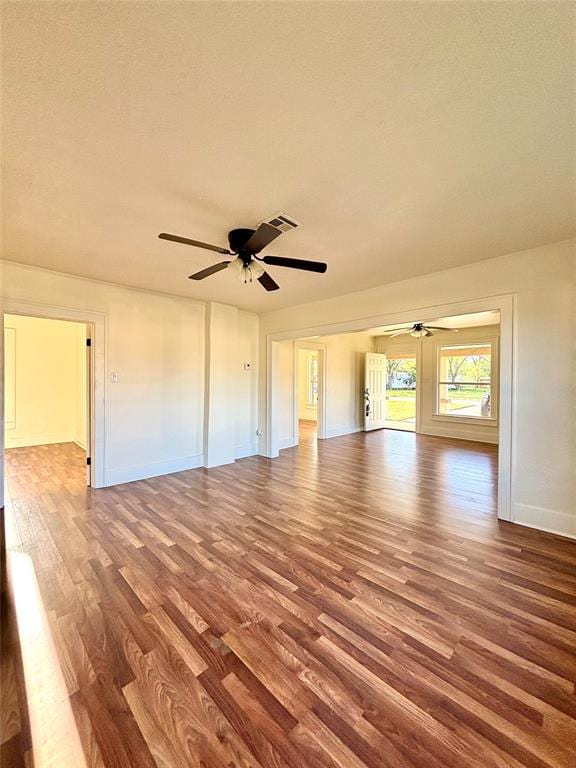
(231, 410)
(544, 392)
(245, 401)
(43, 398)
(426, 350)
(156, 343)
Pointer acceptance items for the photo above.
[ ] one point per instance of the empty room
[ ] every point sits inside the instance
(288, 440)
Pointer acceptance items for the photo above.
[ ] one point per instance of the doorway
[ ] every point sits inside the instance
(308, 373)
(48, 392)
(495, 429)
(401, 390)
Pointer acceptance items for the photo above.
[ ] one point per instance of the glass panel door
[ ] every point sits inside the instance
(401, 390)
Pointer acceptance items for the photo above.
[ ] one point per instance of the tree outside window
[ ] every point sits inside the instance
(465, 380)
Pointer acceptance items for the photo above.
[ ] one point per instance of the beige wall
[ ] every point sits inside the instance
(44, 369)
(426, 351)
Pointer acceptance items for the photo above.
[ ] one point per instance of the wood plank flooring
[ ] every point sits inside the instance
(307, 430)
(14, 731)
(353, 603)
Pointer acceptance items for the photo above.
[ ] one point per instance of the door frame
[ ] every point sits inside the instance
(416, 345)
(321, 413)
(505, 304)
(96, 323)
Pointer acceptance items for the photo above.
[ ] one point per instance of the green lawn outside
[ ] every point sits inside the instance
(404, 407)
(401, 409)
(472, 393)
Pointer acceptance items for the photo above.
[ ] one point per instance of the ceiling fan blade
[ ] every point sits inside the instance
(209, 271)
(268, 282)
(283, 261)
(262, 237)
(197, 243)
(439, 328)
(399, 333)
(393, 330)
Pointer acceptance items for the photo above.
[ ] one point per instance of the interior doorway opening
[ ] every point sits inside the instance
(48, 392)
(447, 378)
(308, 376)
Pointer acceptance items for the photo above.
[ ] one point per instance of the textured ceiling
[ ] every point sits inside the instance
(406, 137)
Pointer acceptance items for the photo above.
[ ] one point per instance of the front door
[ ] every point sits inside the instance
(374, 391)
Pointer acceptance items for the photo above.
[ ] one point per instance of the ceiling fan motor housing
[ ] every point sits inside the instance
(237, 239)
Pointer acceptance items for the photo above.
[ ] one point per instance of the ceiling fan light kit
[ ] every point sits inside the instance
(245, 273)
(421, 333)
(245, 244)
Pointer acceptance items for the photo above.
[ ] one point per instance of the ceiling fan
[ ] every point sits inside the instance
(245, 244)
(418, 330)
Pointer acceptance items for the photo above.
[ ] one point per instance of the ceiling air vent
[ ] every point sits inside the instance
(283, 222)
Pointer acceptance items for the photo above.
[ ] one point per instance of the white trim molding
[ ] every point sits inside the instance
(243, 451)
(549, 520)
(344, 429)
(462, 434)
(155, 469)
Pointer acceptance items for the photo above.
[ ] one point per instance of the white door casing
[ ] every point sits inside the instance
(88, 415)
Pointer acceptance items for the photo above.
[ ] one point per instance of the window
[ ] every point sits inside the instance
(312, 381)
(465, 381)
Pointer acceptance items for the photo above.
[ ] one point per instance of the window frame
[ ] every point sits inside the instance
(493, 343)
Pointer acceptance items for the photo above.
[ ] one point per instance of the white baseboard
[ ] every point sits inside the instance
(549, 520)
(45, 438)
(339, 431)
(243, 451)
(343, 429)
(460, 434)
(157, 468)
(80, 444)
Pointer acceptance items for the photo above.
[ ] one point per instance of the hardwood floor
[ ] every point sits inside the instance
(353, 603)
(14, 730)
(307, 430)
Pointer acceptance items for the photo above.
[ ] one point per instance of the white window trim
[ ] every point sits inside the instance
(494, 384)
